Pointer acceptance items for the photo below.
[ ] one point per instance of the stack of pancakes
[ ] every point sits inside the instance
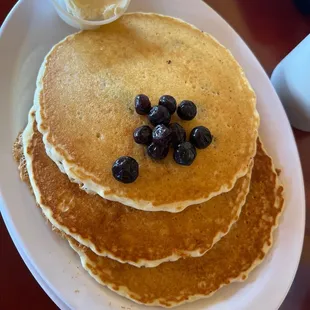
(177, 233)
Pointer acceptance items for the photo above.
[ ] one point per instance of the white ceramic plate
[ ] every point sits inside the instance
(28, 33)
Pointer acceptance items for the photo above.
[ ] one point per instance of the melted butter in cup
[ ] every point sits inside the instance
(90, 14)
(95, 10)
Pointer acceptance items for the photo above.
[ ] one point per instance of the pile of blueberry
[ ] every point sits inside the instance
(163, 135)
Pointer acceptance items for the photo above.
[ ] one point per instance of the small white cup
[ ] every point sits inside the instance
(82, 23)
(291, 79)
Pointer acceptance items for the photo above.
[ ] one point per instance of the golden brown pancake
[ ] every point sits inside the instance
(85, 109)
(120, 232)
(231, 259)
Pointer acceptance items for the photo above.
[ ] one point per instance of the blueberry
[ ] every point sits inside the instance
(201, 137)
(187, 110)
(178, 134)
(142, 104)
(159, 115)
(143, 135)
(125, 169)
(168, 102)
(157, 151)
(184, 154)
(161, 135)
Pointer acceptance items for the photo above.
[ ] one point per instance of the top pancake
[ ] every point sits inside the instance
(85, 110)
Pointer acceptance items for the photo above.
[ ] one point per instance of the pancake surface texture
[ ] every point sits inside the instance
(85, 109)
(123, 233)
(231, 259)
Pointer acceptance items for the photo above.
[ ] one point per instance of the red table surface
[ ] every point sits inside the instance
(271, 28)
